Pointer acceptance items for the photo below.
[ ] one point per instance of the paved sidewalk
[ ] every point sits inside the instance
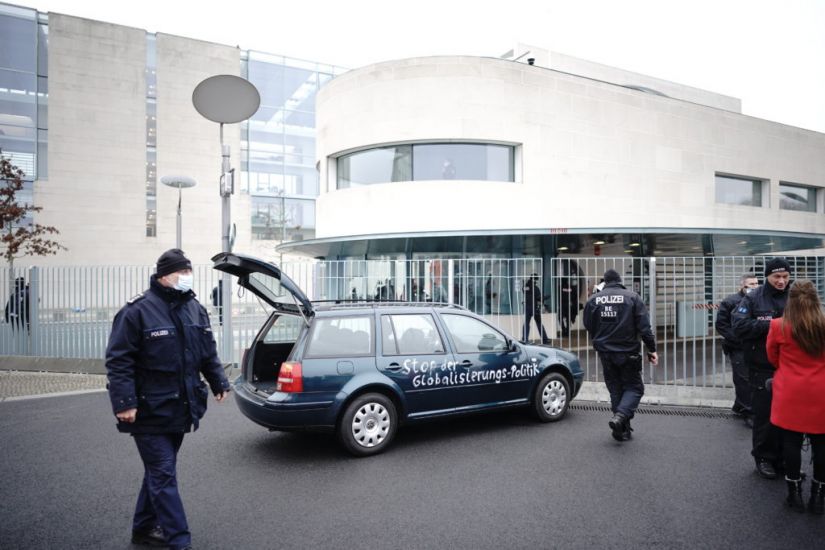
(15, 385)
(18, 384)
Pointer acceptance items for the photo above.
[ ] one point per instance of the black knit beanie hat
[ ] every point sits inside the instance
(612, 276)
(776, 265)
(172, 260)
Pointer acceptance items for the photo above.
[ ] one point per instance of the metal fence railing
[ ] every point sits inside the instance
(682, 294)
(69, 310)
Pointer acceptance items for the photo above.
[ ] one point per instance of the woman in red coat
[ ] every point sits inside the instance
(796, 348)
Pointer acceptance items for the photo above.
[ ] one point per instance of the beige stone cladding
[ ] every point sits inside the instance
(95, 193)
(589, 154)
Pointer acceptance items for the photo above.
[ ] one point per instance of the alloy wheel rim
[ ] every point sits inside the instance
(553, 398)
(371, 424)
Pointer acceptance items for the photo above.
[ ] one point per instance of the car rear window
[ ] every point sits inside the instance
(284, 329)
(341, 337)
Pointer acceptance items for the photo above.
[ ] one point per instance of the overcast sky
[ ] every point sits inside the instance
(768, 53)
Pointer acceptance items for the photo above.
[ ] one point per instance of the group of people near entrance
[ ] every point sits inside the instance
(774, 337)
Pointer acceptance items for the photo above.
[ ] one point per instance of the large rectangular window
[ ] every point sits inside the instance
(737, 190)
(382, 165)
(797, 197)
(427, 162)
(278, 145)
(282, 218)
(23, 89)
(462, 161)
(151, 135)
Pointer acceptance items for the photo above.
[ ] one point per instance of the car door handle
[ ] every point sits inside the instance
(393, 367)
(466, 363)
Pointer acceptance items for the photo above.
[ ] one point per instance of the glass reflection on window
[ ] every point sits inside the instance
(382, 165)
(423, 162)
(741, 191)
(797, 197)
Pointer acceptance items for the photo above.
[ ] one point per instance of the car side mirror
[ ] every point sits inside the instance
(512, 345)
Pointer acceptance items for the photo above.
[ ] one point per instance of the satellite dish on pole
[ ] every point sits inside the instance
(226, 99)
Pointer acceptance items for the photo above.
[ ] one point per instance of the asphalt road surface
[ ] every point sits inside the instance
(69, 481)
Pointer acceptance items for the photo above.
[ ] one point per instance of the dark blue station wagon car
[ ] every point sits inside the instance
(362, 369)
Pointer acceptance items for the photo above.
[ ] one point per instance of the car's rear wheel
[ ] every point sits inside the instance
(368, 424)
(552, 398)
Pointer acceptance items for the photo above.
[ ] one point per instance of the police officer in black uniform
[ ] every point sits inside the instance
(732, 347)
(751, 321)
(615, 318)
(161, 343)
(532, 307)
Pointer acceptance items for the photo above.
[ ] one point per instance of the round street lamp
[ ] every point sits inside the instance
(181, 182)
(226, 99)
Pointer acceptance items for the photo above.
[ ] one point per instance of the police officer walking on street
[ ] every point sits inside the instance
(616, 318)
(161, 343)
(751, 322)
(732, 347)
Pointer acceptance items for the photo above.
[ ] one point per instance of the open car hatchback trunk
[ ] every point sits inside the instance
(273, 345)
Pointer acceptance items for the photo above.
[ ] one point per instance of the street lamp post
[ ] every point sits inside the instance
(226, 99)
(181, 182)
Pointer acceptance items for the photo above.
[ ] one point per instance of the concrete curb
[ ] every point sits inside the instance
(52, 364)
(42, 395)
(661, 394)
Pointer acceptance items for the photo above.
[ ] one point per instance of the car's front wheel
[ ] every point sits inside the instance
(552, 398)
(368, 424)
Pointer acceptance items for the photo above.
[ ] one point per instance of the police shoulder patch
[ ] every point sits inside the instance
(135, 298)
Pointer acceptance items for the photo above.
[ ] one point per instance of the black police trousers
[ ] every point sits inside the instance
(159, 502)
(766, 437)
(623, 378)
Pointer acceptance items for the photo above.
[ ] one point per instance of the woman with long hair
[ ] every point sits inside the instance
(796, 348)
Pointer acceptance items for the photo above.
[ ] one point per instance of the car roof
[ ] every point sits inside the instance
(353, 306)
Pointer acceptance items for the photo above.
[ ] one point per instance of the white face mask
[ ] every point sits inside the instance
(184, 283)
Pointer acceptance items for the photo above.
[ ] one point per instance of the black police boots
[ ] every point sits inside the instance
(816, 504)
(155, 537)
(620, 427)
(794, 500)
(765, 468)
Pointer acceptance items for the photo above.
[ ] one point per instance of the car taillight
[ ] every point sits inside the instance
(289, 378)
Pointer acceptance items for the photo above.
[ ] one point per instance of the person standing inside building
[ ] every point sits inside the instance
(616, 318)
(732, 347)
(568, 298)
(751, 321)
(532, 308)
(439, 293)
(796, 347)
(161, 343)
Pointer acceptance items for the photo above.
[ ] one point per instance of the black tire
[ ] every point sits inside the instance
(551, 398)
(368, 424)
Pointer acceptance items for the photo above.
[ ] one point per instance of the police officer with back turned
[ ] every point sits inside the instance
(751, 322)
(161, 343)
(616, 318)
